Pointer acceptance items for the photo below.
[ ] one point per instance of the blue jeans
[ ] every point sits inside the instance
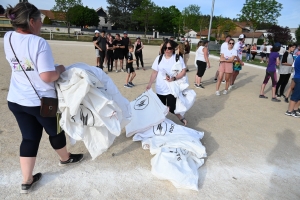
(248, 56)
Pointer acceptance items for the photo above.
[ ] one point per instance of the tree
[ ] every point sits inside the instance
(191, 15)
(168, 19)
(144, 14)
(2, 10)
(120, 12)
(82, 16)
(63, 6)
(256, 12)
(47, 20)
(297, 33)
(225, 26)
(279, 34)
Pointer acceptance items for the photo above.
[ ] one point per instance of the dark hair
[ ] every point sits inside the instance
(203, 42)
(21, 14)
(275, 49)
(228, 36)
(130, 47)
(291, 45)
(103, 31)
(172, 43)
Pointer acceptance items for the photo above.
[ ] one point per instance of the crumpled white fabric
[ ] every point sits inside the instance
(180, 84)
(93, 110)
(185, 101)
(147, 110)
(179, 153)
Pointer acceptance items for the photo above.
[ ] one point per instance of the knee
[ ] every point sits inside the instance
(29, 148)
(58, 141)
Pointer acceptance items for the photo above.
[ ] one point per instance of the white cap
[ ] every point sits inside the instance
(241, 36)
(96, 31)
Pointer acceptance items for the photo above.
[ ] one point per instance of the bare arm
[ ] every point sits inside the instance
(52, 76)
(277, 61)
(205, 51)
(152, 78)
(96, 45)
(230, 60)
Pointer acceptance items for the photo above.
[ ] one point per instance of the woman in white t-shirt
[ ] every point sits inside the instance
(162, 72)
(36, 60)
(202, 62)
(226, 60)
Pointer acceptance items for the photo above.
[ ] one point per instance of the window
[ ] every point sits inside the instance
(4, 22)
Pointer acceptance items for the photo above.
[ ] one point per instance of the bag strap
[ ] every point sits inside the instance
(22, 67)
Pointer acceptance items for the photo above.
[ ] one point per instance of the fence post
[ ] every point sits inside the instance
(50, 34)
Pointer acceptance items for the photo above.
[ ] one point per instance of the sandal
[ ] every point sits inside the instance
(263, 96)
(184, 121)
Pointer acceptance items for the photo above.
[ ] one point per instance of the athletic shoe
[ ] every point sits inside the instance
(127, 85)
(197, 86)
(286, 100)
(297, 111)
(201, 86)
(130, 83)
(296, 114)
(215, 80)
(278, 96)
(74, 158)
(275, 99)
(261, 62)
(223, 82)
(289, 113)
(123, 70)
(218, 93)
(230, 87)
(116, 71)
(225, 92)
(26, 188)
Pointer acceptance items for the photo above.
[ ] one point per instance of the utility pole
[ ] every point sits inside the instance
(211, 16)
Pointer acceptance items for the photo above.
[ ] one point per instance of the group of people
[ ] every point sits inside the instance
(111, 49)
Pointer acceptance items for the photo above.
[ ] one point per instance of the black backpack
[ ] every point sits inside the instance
(160, 57)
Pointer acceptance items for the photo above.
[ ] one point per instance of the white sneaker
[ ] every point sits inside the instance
(116, 71)
(231, 87)
(223, 82)
(225, 92)
(262, 62)
(218, 93)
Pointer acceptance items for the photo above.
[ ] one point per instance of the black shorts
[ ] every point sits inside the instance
(125, 52)
(31, 123)
(262, 55)
(118, 55)
(267, 55)
(129, 69)
(168, 100)
(201, 68)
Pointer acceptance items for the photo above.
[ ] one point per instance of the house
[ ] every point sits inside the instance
(55, 17)
(249, 36)
(190, 34)
(5, 24)
(104, 23)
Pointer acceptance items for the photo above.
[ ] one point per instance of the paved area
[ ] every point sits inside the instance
(253, 148)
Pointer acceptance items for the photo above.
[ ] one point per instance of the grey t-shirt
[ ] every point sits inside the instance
(101, 41)
(286, 58)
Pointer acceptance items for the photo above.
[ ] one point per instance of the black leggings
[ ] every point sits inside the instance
(139, 56)
(282, 82)
(271, 75)
(253, 56)
(102, 58)
(168, 100)
(201, 68)
(31, 124)
(110, 60)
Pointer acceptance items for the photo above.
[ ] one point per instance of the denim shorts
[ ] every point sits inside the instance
(31, 123)
(296, 93)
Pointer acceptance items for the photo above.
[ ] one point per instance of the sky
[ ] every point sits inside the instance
(227, 8)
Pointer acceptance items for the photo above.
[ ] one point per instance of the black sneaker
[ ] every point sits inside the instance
(296, 114)
(127, 85)
(201, 86)
(297, 111)
(276, 100)
(26, 188)
(74, 158)
(130, 83)
(289, 113)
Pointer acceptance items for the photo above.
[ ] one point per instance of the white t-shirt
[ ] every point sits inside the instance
(268, 47)
(35, 56)
(229, 53)
(238, 47)
(164, 67)
(224, 46)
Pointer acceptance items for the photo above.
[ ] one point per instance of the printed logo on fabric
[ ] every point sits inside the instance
(160, 129)
(85, 115)
(141, 103)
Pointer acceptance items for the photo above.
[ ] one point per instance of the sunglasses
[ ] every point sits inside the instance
(169, 48)
(231, 43)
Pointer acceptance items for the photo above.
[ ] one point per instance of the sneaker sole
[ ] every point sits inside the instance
(63, 165)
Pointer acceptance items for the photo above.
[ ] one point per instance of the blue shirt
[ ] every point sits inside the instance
(297, 67)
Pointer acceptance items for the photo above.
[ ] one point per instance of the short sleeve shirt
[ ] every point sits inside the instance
(118, 43)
